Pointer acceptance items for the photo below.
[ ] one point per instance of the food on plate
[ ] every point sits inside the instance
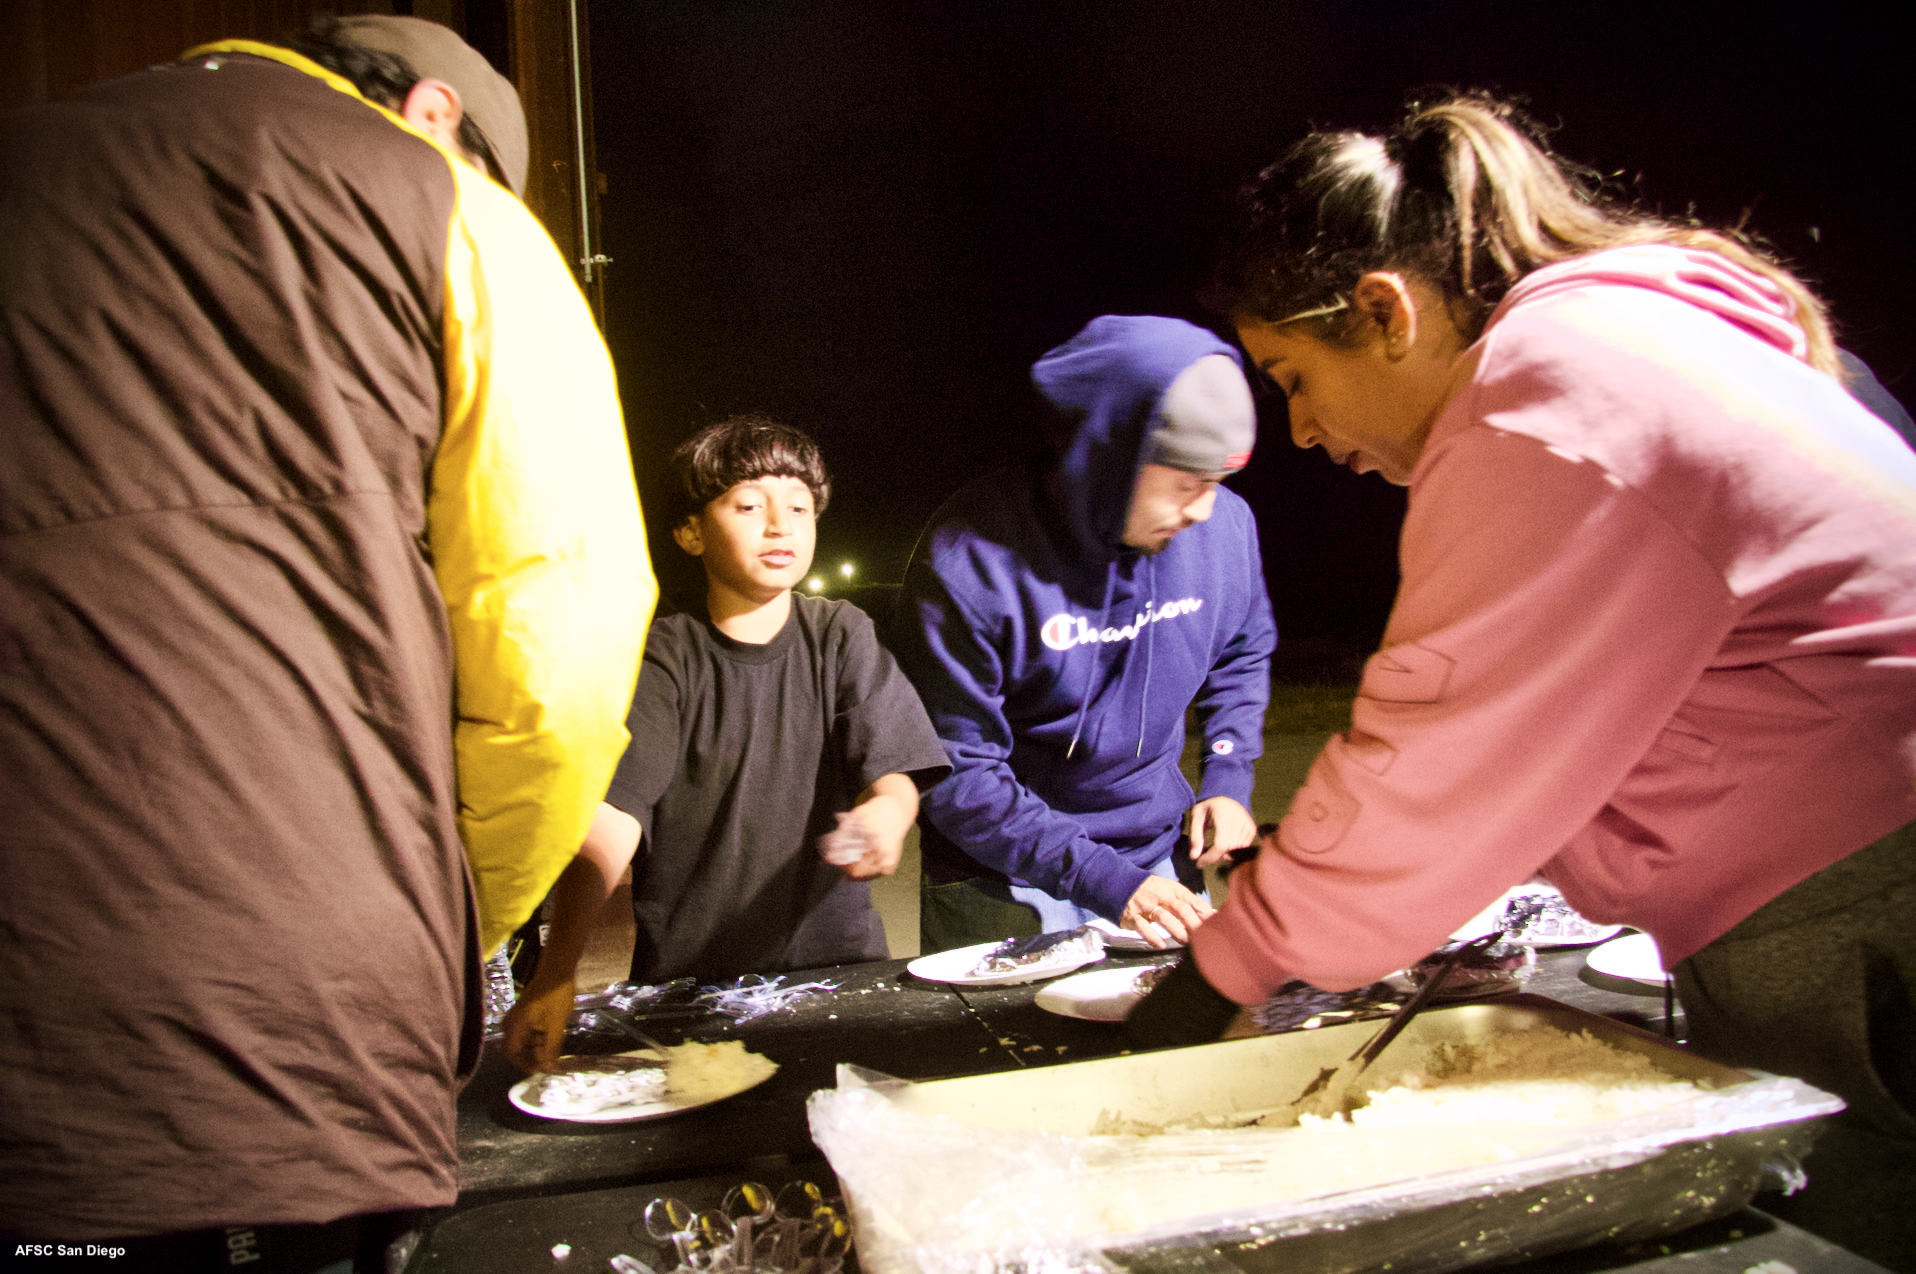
(1151, 975)
(1013, 954)
(704, 1072)
(1500, 967)
(691, 1073)
(1536, 915)
(586, 1085)
(1301, 1006)
(1541, 917)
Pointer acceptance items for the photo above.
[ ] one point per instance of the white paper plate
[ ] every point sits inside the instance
(1634, 958)
(1119, 938)
(1102, 995)
(670, 1104)
(955, 967)
(1578, 933)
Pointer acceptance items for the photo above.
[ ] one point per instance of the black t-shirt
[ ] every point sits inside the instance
(740, 757)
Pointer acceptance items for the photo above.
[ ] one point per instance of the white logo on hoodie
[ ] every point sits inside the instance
(1064, 630)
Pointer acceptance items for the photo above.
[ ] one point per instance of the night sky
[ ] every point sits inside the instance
(869, 219)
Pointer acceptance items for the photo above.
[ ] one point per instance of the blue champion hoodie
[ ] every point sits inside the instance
(1057, 664)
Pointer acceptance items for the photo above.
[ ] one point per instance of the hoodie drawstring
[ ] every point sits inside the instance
(1151, 601)
(1091, 674)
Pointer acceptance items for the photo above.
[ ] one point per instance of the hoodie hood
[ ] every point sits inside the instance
(1107, 384)
(1705, 279)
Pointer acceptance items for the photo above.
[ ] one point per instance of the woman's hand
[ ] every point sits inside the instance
(1168, 905)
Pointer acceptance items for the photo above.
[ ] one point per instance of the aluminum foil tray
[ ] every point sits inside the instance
(999, 1172)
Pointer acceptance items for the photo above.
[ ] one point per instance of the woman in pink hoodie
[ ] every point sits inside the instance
(1656, 638)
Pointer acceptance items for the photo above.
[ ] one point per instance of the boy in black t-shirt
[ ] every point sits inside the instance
(776, 758)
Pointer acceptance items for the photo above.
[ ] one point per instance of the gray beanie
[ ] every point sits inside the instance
(1206, 422)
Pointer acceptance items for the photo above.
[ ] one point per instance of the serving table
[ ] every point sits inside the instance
(528, 1184)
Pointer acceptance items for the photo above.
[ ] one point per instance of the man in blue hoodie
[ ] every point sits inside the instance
(1058, 619)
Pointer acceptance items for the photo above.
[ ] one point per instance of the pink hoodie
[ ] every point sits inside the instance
(1656, 638)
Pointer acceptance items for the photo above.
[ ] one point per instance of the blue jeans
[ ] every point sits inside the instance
(966, 912)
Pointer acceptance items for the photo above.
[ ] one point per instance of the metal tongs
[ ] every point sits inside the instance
(1357, 1063)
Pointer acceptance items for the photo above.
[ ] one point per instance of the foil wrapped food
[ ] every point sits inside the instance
(585, 1085)
(1015, 954)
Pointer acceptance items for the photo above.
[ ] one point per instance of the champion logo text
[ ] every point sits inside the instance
(1065, 630)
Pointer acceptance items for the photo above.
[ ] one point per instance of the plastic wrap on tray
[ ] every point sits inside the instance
(930, 1193)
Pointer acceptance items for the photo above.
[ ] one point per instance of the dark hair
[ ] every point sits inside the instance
(1464, 195)
(379, 76)
(739, 449)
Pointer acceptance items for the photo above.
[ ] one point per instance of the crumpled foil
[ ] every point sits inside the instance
(1299, 1006)
(755, 995)
(1500, 967)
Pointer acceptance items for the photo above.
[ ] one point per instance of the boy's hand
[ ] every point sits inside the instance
(1230, 824)
(535, 1026)
(1168, 905)
(869, 839)
(846, 844)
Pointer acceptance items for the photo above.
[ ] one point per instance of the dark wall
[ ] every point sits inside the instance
(54, 48)
(869, 219)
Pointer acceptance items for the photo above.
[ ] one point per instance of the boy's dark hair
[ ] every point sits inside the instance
(739, 449)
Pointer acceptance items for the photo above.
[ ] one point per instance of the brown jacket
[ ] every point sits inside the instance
(267, 420)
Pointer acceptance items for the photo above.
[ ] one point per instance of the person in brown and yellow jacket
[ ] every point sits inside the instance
(322, 591)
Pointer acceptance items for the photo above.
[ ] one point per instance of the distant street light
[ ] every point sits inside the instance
(845, 569)
(816, 583)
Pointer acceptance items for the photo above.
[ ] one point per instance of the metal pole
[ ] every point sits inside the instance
(587, 258)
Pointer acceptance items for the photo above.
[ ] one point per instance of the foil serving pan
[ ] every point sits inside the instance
(1008, 1171)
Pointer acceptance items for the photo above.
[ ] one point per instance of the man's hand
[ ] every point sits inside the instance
(1229, 825)
(535, 1026)
(1168, 905)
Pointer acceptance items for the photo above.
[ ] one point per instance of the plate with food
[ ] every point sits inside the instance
(1536, 915)
(1013, 961)
(642, 1084)
(1119, 938)
(1102, 995)
(1502, 967)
